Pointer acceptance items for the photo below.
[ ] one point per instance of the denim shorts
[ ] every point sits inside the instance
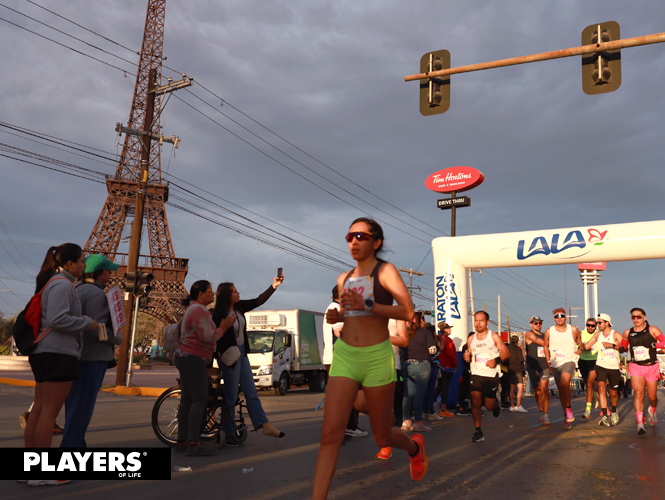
(371, 366)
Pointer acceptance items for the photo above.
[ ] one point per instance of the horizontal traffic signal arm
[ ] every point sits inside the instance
(544, 56)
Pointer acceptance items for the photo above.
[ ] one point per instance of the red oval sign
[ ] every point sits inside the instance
(454, 179)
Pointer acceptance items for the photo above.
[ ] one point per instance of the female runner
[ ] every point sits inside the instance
(363, 356)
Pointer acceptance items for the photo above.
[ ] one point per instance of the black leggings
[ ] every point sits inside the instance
(194, 396)
(442, 388)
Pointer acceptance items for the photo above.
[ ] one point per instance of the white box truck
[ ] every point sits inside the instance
(286, 347)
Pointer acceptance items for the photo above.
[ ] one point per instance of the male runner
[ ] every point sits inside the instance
(607, 343)
(562, 343)
(537, 367)
(643, 340)
(587, 365)
(486, 351)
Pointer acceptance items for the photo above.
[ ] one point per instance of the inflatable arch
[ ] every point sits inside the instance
(453, 256)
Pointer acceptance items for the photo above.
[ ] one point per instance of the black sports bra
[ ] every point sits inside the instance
(381, 295)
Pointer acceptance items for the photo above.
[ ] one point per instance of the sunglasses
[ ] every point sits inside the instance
(360, 236)
(637, 317)
(590, 325)
(560, 315)
(600, 321)
(537, 323)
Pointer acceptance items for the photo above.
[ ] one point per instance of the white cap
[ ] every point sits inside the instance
(606, 317)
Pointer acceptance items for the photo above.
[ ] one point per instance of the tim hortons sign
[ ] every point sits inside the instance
(456, 179)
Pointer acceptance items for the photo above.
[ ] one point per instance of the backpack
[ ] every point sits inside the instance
(171, 339)
(26, 327)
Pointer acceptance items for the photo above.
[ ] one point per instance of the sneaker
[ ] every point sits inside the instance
(56, 430)
(496, 411)
(595, 402)
(614, 418)
(546, 419)
(587, 414)
(653, 418)
(23, 419)
(384, 453)
(446, 414)
(34, 482)
(640, 429)
(512, 408)
(478, 437)
(180, 447)
(463, 412)
(407, 425)
(356, 432)
(569, 415)
(566, 424)
(231, 441)
(435, 417)
(420, 427)
(604, 421)
(521, 409)
(419, 463)
(199, 450)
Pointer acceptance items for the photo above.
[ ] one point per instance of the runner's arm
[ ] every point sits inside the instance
(658, 335)
(546, 345)
(402, 338)
(591, 343)
(578, 340)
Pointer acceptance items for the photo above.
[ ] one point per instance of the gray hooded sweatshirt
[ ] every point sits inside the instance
(95, 305)
(61, 311)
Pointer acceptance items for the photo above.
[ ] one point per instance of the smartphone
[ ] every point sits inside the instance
(279, 273)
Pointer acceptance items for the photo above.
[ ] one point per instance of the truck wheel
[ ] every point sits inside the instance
(283, 384)
(317, 383)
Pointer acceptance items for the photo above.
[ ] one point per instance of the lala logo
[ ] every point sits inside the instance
(574, 239)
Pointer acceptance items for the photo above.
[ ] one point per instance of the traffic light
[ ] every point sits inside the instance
(144, 302)
(601, 71)
(434, 92)
(138, 283)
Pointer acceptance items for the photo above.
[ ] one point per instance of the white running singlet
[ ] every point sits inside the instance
(607, 358)
(481, 352)
(562, 346)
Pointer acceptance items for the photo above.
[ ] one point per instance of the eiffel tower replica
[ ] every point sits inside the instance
(119, 209)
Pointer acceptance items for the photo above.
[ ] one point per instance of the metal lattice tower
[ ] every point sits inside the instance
(118, 211)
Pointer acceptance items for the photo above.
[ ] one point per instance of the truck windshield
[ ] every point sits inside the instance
(260, 341)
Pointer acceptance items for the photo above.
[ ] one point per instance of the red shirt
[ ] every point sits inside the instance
(448, 356)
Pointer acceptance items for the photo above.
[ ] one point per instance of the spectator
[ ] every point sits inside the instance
(54, 361)
(434, 375)
(194, 353)
(448, 364)
(96, 354)
(228, 304)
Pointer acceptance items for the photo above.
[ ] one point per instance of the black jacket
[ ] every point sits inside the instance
(241, 307)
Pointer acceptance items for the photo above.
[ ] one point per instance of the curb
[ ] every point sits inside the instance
(119, 390)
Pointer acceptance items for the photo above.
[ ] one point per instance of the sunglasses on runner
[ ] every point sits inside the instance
(637, 317)
(590, 325)
(359, 235)
(559, 315)
(537, 323)
(600, 321)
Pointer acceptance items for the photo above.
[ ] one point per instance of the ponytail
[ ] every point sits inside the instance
(56, 257)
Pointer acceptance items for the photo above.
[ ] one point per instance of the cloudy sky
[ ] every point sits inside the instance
(328, 77)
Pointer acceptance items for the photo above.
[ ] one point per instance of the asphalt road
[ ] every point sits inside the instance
(518, 460)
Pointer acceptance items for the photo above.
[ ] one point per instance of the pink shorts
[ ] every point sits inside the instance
(650, 373)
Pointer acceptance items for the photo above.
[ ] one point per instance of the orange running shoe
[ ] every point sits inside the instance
(446, 414)
(384, 453)
(419, 463)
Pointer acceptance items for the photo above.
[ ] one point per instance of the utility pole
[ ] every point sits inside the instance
(137, 226)
(480, 272)
(411, 272)
(499, 315)
(508, 321)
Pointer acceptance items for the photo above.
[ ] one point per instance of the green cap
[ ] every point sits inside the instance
(97, 263)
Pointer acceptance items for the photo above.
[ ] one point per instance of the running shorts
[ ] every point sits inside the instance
(650, 373)
(536, 374)
(611, 377)
(568, 368)
(487, 385)
(371, 366)
(53, 367)
(586, 366)
(515, 377)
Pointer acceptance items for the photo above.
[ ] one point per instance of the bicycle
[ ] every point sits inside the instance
(165, 415)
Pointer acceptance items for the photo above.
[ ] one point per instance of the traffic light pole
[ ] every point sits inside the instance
(544, 56)
(131, 351)
(137, 227)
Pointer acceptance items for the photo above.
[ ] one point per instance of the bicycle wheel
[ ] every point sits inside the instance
(165, 416)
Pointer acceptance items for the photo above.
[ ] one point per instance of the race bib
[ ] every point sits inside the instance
(541, 351)
(641, 353)
(363, 286)
(482, 358)
(609, 355)
(559, 355)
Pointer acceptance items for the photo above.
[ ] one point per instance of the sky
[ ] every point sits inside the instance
(328, 77)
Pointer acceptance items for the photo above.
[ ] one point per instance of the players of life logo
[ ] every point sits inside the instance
(446, 298)
(574, 239)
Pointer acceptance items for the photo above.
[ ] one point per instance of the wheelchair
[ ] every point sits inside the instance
(165, 415)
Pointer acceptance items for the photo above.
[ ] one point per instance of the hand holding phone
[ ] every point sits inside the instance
(279, 274)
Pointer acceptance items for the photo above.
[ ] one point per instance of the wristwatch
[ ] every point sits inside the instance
(369, 303)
